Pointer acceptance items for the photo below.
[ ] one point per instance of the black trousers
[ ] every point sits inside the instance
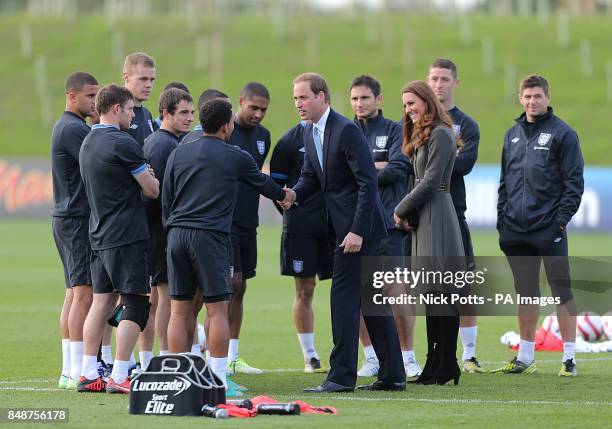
(345, 308)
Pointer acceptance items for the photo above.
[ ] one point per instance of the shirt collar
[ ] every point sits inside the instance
(320, 125)
(98, 126)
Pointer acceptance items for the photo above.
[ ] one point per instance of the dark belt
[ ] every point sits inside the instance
(444, 187)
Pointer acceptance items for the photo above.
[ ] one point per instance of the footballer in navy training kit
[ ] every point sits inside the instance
(206, 96)
(384, 138)
(139, 75)
(252, 137)
(540, 190)
(177, 85)
(307, 244)
(70, 219)
(201, 188)
(176, 113)
(442, 78)
(114, 171)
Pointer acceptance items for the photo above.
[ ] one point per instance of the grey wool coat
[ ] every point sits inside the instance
(437, 233)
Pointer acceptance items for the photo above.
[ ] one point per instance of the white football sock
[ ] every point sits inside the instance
(76, 359)
(120, 371)
(219, 367)
(196, 350)
(201, 335)
(369, 353)
(232, 353)
(164, 352)
(145, 358)
(307, 344)
(526, 352)
(90, 367)
(66, 357)
(208, 357)
(107, 354)
(468, 339)
(407, 354)
(569, 351)
(132, 360)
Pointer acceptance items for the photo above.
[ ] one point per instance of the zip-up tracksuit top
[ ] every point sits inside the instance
(385, 138)
(541, 181)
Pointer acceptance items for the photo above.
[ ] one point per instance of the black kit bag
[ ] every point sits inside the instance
(175, 385)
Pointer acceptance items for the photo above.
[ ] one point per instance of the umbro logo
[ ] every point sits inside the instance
(133, 126)
(514, 140)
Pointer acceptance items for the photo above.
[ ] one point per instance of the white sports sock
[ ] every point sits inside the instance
(145, 358)
(526, 352)
(219, 367)
(196, 350)
(307, 344)
(369, 353)
(468, 339)
(164, 352)
(90, 367)
(120, 371)
(407, 354)
(107, 355)
(208, 357)
(202, 338)
(132, 360)
(232, 353)
(66, 357)
(76, 359)
(569, 351)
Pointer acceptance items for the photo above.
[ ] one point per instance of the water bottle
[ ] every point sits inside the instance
(279, 409)
(214, 412)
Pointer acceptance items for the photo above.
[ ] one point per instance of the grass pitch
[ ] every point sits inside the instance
(30, 356)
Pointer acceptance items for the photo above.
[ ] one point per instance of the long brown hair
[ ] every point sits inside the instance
(417, 134)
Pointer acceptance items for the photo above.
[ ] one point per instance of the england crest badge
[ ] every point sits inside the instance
(298, 265)
(381, 142)
(261, 146)
(544, 138)
(457, 129)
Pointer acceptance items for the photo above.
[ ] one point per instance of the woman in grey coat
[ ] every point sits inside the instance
(429, 212)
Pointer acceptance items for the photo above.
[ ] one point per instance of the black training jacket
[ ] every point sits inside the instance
(541, 181)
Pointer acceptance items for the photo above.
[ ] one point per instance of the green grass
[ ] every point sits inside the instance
(338, 46)
(32, 290)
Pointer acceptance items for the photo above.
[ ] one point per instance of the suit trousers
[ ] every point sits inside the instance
(345, 308)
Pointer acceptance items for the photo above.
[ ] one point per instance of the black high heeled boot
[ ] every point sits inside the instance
(431, 364)
(448, 369)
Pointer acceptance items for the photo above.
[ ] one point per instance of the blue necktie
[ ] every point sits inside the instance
(318, 145)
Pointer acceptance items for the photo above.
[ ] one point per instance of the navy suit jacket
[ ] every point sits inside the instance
(348, 180)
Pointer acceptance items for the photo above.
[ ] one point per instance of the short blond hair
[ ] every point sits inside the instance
(135, 59)
(316, 81)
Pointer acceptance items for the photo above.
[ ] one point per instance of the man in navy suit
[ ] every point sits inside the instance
(338, 162)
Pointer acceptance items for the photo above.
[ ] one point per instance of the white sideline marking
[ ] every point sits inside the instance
(34, 381)
(421, 400)
(578, 360)
(31, 389)
(464, 401)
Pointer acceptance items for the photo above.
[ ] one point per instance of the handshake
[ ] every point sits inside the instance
(289, 199)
